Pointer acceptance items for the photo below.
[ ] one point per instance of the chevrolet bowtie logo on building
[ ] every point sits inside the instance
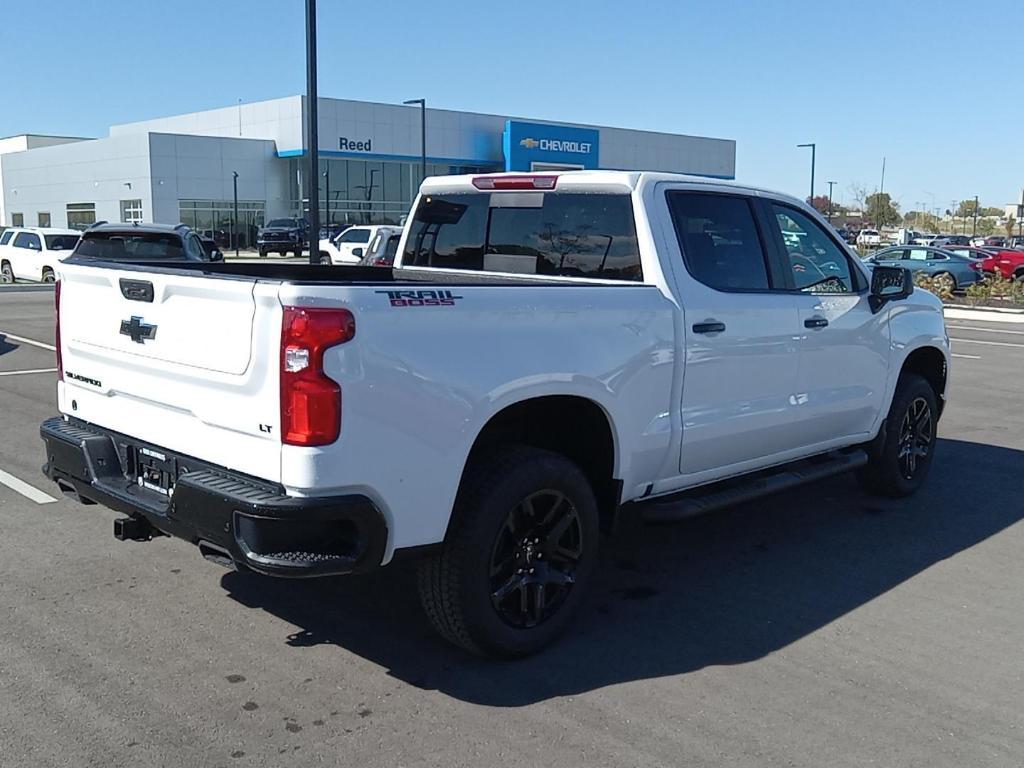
(557, 145)
(138, 330)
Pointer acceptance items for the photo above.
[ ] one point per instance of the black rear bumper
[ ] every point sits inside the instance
(250, 522)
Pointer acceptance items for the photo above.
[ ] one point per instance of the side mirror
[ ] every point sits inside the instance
(889, 284)
(357, 252)
(216, 255)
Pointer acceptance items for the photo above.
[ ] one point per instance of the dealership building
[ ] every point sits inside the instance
(186, 168)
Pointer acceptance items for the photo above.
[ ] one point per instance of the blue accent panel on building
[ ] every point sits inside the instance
(527, 143)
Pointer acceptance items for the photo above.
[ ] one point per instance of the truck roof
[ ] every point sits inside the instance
(588, 180)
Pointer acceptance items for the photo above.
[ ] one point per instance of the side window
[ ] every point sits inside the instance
(376, 242)
(6, 237)
(917, 254)
(193, 248)
(719, 240)
(28, 240)
(819, 265)
(355, 236)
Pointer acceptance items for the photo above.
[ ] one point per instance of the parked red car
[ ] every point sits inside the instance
(1009, 264)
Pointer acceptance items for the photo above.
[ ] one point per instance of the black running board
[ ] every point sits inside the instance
(708, 498)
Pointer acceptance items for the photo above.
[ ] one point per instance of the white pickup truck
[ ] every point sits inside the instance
(549, 354)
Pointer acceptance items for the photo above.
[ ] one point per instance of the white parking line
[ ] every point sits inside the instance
(26, 490)
(34, 370)
(988, 343)
(985, 330)
(23, 340)
(967, 357)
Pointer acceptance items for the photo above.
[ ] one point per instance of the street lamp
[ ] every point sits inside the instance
(423, 135)
(312, 136)
(327, 193)
(234, 222)
(814, 148)
(830, 185)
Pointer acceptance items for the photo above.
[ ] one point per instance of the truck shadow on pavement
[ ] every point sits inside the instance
(726, 588)
(6, 346)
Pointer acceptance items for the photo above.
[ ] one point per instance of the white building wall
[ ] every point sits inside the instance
(277, 120)
(394, 131)
(201, 168)
(20, 144)
(100, 171)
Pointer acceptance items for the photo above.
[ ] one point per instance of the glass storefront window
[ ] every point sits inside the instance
(213, 218)
(366, 191)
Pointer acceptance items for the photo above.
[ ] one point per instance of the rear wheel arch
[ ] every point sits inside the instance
(573, 426)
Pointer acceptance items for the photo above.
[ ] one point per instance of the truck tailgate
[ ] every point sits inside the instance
(189, 361)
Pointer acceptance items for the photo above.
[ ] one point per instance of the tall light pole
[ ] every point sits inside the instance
(814, 148)
(423, 135)
(974, 229)
(312, 136)
(234, 222)
(830, 185)
(327, 194)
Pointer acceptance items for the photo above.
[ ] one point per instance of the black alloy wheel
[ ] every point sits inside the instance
(917, 432)
(534, 559)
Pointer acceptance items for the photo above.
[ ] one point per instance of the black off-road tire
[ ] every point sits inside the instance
(6, 274)
(263, 254)
(48, 276)
(455, 585)
(886, 473)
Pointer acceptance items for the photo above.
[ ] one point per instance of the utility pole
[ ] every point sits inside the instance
(974, 230)
(312, 137)
(830, 185)
(234, 221)
(881, 187)
(814, 148)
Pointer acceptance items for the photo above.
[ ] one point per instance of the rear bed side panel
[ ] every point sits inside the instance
(419, 383)
(206, 385)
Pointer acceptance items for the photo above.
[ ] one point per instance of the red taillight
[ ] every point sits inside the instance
(56, 331)
(310, 401)
(515, 182)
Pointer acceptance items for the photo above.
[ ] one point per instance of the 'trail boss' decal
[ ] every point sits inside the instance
(421, 298)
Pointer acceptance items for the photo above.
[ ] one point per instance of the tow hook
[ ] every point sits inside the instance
(133, 529)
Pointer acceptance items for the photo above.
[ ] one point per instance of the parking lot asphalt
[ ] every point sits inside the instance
(818, 627)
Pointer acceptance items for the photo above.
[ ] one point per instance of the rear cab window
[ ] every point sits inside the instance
(550, 233)
(129, 246)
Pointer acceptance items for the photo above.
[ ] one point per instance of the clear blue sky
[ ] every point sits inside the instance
(933, 86)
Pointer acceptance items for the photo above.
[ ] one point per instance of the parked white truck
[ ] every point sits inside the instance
(550, 353)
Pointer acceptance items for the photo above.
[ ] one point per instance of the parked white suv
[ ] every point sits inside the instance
(34, 253)
(869, 238)
(350, 245)
(549, 353)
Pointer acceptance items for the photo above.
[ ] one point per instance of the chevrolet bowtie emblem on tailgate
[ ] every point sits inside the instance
(138, 330)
